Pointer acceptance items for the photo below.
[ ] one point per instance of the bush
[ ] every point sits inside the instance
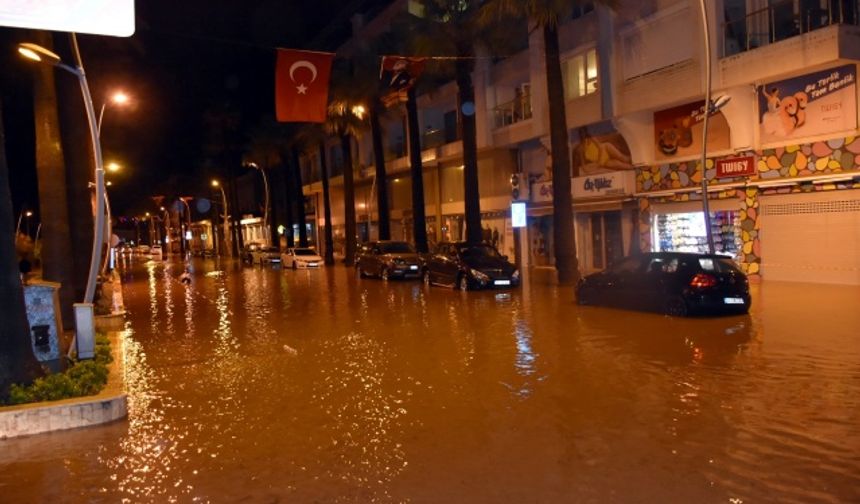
(82, 378)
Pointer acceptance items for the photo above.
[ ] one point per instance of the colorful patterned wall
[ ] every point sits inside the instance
(826, 157)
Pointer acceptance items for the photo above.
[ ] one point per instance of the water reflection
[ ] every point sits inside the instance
(298, 386)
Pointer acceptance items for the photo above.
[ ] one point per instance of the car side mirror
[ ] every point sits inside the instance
(505, 257)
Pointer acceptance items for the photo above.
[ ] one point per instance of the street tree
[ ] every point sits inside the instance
(17, 363)
(313, 137)
(545, 15)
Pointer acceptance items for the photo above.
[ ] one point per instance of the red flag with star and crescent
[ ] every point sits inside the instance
(301, 85)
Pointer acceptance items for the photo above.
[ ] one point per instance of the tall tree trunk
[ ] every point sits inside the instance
(299, 195)
(17, 363)
(57, 262)
(329, 239)
(273, 208)
(466, 104)
(287, 187)
(236, 214)
(562, 205)
(419, 220)
(79, 159)
(381, 179)
(348, 200)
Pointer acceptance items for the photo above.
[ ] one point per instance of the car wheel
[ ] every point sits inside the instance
(384, 274)
(676, 307)
(295, 266)
(462, 282)
(426, 277)
(583, 298)
(358, 272)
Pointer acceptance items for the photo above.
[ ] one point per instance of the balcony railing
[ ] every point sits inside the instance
(514, 111)
(783, 20)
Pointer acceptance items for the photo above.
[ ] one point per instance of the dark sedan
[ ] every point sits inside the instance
(674, 283)
(387, 259)
(465, 267)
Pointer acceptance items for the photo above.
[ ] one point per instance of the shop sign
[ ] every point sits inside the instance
(736, 167)
(518, 214)
(98, 17)
(814, 104)
(605, 184)
(678, 131)
(541, 192)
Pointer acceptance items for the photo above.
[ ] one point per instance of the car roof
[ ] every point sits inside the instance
(686, 254)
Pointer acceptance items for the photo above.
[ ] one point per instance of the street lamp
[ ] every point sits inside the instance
(184, 199)
(40, 54)
(226, 242)
(118, 98)
(711, 107)
(266, 231)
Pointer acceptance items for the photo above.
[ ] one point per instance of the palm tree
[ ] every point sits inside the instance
(419, 220)
(545, 14)
(313, 136)
(346, 123)
(57, 263)
(299, 197)
(17, 363)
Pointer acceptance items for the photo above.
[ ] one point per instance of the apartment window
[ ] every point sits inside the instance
(580, 75)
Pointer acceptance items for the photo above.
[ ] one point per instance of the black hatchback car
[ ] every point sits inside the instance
(465, 267)
(387, 259)
(674, 283)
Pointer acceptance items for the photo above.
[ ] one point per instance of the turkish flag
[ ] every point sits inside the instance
(398, 74)
(301, 85)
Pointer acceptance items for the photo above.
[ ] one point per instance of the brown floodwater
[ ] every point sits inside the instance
(267, 385)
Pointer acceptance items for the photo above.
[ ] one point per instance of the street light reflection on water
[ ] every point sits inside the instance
(266, 384)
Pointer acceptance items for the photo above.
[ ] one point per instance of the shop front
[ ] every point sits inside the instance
(680, 227)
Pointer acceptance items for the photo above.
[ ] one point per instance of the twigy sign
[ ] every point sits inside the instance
(736, 167)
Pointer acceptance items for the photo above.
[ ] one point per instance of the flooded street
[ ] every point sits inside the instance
(268, 385)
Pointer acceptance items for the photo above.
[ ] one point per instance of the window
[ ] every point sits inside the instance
(580, 75)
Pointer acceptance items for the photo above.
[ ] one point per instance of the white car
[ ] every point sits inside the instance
(265, 255)
(302, 257)
(155, 251)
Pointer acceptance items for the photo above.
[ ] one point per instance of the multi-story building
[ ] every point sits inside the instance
(783, 153)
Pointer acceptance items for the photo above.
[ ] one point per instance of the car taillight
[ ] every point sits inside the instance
(703, 280)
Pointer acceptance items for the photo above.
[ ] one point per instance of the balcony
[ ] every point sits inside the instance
(514, 111)
(783, 20)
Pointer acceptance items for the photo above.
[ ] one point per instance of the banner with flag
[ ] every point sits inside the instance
(301, 85)
(398, 74)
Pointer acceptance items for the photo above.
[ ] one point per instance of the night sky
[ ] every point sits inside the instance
(185, 58)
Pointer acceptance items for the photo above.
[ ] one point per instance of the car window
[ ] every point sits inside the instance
(478, 252)
(397, 248)
(626, 265)
(304, 252)
(662, 265)
(718, 264)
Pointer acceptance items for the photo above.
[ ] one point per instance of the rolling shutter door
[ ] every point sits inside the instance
(811, 237)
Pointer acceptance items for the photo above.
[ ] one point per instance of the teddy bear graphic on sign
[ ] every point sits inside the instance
(784, 115)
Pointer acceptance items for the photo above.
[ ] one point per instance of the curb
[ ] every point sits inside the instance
(108, 405)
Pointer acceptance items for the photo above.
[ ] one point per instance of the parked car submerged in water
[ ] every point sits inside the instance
(266, 255)
(675, 283)
(301, 258)
(388, 259)
(466, 267)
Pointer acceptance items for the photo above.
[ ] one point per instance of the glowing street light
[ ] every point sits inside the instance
(40, 54)
(217, 184)
(119, 98)
(266, 231)
(114, 167)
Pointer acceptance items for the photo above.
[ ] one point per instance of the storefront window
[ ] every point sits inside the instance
(685, 232)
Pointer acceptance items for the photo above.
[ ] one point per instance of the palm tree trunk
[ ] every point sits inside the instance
(466, 96)
(57, 262)
(381, 180)
(287, 185)
(300, 199)
(329, 239)
(419, 220)
(564, 239)
(348, 200)
(17, 363)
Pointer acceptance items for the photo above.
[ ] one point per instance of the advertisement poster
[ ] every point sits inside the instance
(678, 132)
(814, 104)
(599, 149)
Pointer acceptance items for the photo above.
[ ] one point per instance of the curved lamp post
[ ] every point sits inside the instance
(40, 54)
(226, 242)
(711, 107)
(266, 231)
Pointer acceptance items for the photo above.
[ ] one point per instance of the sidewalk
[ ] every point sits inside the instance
(108, 405)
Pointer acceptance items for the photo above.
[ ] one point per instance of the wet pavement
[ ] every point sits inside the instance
(266, 385)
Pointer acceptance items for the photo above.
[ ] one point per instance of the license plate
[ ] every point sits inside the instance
(733, 300)
(312, 264)
(501, 282)
(413, 267)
